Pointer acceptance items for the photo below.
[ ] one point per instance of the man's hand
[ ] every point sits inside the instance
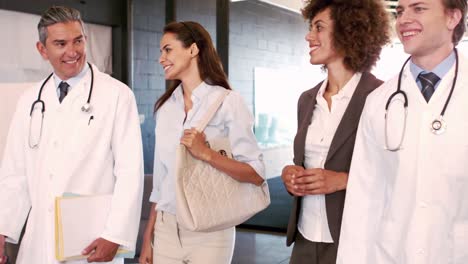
(318, 181)
(3, 257)
(287, 175)
(101, 250)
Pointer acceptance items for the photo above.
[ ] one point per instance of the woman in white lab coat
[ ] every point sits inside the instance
(190, 60)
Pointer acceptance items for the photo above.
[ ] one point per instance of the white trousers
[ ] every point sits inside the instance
(175, 245)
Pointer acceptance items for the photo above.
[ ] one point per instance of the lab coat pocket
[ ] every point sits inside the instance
(460, 243)
(83, 129)
(455, 162)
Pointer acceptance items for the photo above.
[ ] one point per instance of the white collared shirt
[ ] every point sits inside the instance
(233, 120)
(313, 222)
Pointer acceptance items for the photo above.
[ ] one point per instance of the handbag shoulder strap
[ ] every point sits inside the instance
(211, 111)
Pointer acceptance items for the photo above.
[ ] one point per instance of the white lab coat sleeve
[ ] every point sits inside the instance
(364, 197)
(240, 121)
(124, 217)
(15, 200)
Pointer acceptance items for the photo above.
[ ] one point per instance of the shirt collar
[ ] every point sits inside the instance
(74, 80)
(178, 94)
(198, 93)
(347, 91)
(440, 70)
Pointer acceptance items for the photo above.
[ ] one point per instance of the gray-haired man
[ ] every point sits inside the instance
(87, 142)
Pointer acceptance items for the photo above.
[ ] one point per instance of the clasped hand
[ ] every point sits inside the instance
(301, 182)
(194, 141)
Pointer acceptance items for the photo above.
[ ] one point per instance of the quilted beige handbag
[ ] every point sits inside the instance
(208, 199)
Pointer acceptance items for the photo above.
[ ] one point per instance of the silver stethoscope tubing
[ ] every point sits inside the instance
(437, 126)
(86, 108)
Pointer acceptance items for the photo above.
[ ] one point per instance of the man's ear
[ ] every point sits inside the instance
(194, 50)
(42, 50)
(454, 17)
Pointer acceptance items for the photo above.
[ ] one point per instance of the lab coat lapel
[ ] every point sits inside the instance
(49, 96)
(409, 85)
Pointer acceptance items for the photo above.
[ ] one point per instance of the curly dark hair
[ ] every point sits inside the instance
(361, 29)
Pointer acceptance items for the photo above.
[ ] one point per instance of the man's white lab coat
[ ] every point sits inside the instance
(409, 206)
(84, 153)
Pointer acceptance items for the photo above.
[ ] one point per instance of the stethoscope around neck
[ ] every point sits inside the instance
(437, 126)
(86, 108)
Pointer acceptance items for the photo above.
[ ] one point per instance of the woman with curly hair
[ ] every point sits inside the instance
(346, 37)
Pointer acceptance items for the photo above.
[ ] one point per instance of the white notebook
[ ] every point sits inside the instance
(79, 220)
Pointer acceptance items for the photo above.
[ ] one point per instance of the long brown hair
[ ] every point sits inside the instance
(209, 63)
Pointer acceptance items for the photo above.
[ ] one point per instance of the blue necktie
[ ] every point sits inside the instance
(63, 86)
(428, 82)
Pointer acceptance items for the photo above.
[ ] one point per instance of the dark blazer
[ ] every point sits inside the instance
(339, 154)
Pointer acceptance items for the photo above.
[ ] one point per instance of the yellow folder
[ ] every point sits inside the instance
(79, 220)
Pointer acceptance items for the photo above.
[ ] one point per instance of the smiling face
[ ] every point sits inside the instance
(425, 27)
(175, 58)
(65, 49)
(320, 38)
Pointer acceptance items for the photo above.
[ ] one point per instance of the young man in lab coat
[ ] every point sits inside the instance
(408, 203)
(72, 149)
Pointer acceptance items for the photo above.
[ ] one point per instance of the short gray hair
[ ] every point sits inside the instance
(57, 14)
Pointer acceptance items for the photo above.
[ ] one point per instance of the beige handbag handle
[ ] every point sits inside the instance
(211, 111)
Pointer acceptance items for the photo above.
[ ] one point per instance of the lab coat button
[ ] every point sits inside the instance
(421, 251)
(423, 205)
(51, 176)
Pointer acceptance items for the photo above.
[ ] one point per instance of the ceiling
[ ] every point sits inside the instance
(391, 5)
(296, 5)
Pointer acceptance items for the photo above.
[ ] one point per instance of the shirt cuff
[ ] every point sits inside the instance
(155, 196)
(258, 166)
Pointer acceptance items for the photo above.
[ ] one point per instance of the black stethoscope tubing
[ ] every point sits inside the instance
(42, 103)
(399, 91)
(438, 125)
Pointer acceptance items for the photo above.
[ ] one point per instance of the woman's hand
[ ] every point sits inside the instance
(146, 254)
(195, 142)
(318, 181)
(287, 175)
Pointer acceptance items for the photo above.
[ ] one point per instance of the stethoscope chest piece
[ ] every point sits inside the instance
(438, 126)
(86, 108)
